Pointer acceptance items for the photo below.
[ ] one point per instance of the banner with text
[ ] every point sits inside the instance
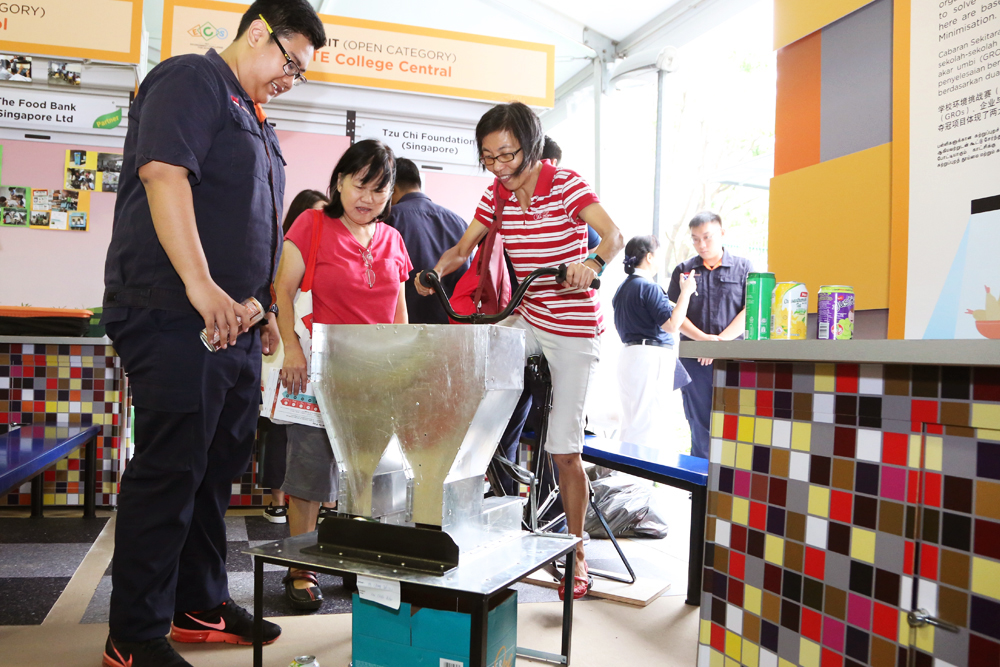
(953, 277)
(100, 30)
(374, 54)
(43, 110)
(418, 141)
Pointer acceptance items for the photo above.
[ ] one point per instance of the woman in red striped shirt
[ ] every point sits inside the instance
(545, 213)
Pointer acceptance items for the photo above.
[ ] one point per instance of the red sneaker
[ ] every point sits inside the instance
(227, 623)
(153, 653)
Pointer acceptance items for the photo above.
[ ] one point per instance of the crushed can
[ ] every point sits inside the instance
(304, 661)
(254, 311)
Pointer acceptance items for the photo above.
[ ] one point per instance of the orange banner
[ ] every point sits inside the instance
(374, 54)
(102, 30)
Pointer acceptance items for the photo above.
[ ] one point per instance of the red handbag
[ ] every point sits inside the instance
(485, 287)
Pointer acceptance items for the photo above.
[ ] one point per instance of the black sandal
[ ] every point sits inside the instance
(306, 599)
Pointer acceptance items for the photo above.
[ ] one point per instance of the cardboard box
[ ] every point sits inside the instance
(414, 636)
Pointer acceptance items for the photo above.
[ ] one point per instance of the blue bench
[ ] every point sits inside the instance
(678, 470)
(27, 451)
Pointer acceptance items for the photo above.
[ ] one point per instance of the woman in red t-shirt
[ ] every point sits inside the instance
(545, 212)
(361, 268)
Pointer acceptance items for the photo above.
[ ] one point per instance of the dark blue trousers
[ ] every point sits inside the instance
(195, 417)
(697, 397)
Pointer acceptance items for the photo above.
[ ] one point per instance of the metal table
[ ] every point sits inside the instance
(481, 575)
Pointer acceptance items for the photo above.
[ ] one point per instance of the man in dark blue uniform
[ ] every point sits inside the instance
(717, 312)
(427, 230)
(196, 232)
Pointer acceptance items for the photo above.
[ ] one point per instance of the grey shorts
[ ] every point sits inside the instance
(311, 469)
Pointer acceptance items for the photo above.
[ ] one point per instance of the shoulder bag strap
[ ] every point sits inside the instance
(317, 234)
(486, 249)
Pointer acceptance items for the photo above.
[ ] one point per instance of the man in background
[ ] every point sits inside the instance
(428, 230)
(717, 311)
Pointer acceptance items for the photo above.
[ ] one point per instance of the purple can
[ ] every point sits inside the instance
(835, 313)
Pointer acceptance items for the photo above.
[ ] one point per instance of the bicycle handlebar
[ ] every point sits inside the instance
(431, 279)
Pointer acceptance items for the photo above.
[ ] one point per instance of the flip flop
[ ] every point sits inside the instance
(581, 585)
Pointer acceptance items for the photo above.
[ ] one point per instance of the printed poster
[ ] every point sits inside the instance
(953, 278)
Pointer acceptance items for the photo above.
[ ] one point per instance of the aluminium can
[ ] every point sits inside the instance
(835, 312)
(254, 311)
(788, 311)
(760, 287)
(304, 661)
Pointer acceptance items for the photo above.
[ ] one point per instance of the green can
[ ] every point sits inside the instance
(760, 288)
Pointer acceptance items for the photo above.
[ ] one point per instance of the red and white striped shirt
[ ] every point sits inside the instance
(548, 234)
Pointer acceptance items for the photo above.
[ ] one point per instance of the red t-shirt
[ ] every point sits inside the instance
(340, 291)
(550, 233)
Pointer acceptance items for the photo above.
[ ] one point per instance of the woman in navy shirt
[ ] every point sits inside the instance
(645, 320)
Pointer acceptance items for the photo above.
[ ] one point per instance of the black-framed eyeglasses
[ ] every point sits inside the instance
(503, 157)
(290, 68)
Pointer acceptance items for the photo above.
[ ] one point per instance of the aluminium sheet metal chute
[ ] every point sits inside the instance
(414, 414)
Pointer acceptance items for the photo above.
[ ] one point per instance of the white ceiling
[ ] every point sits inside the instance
(573, 26)
(617, 20)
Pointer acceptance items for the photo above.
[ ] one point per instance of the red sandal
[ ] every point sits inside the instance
(581, 585)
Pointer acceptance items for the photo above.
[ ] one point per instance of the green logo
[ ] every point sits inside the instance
(109, 120)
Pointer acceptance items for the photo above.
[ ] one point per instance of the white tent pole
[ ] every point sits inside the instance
(598, 94)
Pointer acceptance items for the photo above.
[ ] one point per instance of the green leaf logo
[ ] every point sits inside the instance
(109, 120)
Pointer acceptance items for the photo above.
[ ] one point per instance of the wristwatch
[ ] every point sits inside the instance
(600, 262)
(273, 309)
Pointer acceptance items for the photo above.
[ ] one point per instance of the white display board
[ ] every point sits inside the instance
(422, 141)
(34, 109)
(953, 276)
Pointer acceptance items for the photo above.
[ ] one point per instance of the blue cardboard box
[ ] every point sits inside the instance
(414, 636)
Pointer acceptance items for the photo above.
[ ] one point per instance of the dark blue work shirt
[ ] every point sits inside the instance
(721, 293)
(427, 230)
(641, 308)
(191, 111)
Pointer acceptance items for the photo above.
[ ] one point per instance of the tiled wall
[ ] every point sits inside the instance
(838, 492)
(67, 385)
(80, 385)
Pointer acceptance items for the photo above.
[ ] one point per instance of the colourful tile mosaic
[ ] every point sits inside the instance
(841, 495)
(73, 385)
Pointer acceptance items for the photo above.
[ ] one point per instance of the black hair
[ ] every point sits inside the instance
(518, 119)
(303, 201)
(636, 250)
(375, 161)
(703, 218)
(407, 174)
(551, 150)
(286, 18)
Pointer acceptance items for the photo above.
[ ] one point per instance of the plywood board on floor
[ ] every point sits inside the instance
(639, 594)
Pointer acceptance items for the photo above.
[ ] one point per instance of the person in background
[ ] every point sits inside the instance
(360, 275)
(544, 217)
(552, 152)
(648, 369)
(273, 438)
(427, 230)
(717, 312)
(193, 237)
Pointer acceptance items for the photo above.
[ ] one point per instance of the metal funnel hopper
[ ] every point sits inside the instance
(439, 394)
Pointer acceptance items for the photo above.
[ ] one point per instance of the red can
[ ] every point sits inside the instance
(254, 311)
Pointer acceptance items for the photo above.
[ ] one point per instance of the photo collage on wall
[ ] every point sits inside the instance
(93, 171)
(68, 208)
